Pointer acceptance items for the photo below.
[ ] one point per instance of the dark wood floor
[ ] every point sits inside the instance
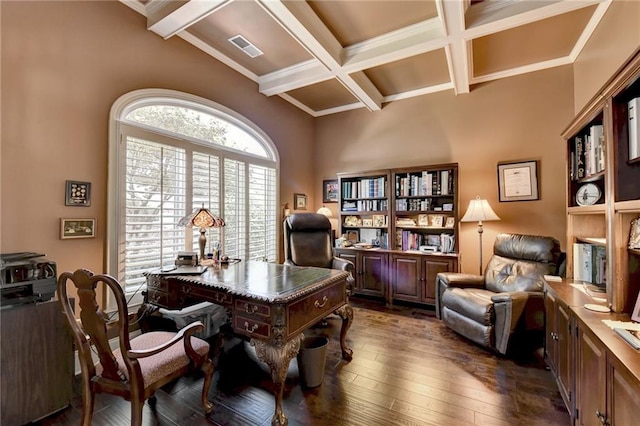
(407, 369)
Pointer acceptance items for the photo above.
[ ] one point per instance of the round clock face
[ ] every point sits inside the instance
(588, 194)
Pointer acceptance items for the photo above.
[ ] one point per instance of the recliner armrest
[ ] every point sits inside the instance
(445, 280)
(509, 308)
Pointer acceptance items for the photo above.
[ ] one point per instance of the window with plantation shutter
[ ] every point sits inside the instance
(172, 153)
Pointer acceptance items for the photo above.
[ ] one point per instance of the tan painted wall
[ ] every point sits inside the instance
(612, 43)
(63, 66)
(518, 118)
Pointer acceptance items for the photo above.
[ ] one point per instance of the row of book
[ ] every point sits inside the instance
(365, 206)
(589, 263)
(408, 240)
(425, 184)
(364, 188)
(587, 155)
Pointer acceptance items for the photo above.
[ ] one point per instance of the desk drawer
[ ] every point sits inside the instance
(207, 294)
(158, 298)
(251, 327)
(314, 307)
(154, 282)
(252, 308)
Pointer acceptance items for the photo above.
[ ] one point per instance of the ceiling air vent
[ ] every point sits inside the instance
(246, 46)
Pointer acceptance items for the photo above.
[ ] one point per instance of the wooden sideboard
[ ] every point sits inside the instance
(396, 275)
(36, 362)
(597, 372)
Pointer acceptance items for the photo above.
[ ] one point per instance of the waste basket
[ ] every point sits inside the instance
(311, 359)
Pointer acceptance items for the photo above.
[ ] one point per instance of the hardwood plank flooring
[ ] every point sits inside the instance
(407, 369)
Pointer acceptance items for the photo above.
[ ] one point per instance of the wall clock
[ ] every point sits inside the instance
(588, 194)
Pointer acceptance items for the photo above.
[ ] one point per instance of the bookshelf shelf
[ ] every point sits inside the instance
(599, 144)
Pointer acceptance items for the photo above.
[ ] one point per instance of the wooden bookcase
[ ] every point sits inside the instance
(400, 218)
(608, 221)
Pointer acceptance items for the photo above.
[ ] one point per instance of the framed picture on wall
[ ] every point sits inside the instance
(77, 193)
(77, 228)
(299, 202)
(518, 181)
(330, 191)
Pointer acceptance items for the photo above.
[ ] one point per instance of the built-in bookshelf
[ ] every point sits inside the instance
(364, 207)
(425, 208)
(399, 228)
(603, 192)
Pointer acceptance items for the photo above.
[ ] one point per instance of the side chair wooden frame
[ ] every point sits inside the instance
(92, 330)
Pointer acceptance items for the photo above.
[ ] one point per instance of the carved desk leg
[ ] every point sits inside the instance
(346, 313)
(278, 357)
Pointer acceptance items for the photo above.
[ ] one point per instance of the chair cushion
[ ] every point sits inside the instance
(473, 303)
(158, 366)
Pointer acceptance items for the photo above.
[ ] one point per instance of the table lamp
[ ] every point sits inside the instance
(479, 210)
(203, 219)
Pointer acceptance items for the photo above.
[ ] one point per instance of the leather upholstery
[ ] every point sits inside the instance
(308, 242)
(492, 310)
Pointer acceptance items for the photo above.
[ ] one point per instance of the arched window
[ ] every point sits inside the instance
(172, 153)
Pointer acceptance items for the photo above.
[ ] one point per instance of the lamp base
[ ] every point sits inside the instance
(202, 242)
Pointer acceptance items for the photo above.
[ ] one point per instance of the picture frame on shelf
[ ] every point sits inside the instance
(353, 236)
(450, 223)
(77, 228)
(367, 223)
(423, 220)
(77, 194)
(436, 221)
(378, 220)
(518, 181)
(330, 191)
(299, 202)
(634, 234)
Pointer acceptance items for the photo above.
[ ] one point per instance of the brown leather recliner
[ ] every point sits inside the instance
(505, 307)
(308, 242)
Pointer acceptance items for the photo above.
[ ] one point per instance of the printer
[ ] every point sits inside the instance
(26, 277)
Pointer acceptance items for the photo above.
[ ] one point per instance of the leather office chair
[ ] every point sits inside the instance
(308, 242)
(141, 364)
(504, 308)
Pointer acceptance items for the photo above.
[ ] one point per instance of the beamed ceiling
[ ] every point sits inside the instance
(329, 56)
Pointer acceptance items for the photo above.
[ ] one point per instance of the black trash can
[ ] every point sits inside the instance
(311, 360)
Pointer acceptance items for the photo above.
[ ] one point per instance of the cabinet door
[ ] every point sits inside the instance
(373, 273)
(551, 333)
(405, 276)
(624, 397)
(564, 355)
(592, 367)
(431, 268)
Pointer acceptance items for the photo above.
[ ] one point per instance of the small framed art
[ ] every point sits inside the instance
(518, 181)
(300, 201)
(77, 228)
(77, 193)
(330, 191)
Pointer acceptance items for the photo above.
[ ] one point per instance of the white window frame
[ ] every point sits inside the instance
(117, 127)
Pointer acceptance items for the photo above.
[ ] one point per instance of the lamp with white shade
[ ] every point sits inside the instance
(479, 210)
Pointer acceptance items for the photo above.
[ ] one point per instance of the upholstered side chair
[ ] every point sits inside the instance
(505, 306)
(142, 364)
(308, 242)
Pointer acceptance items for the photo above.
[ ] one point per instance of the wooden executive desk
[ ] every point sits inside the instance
(270, 304)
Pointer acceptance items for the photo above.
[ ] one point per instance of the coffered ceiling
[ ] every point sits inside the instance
(329, 56)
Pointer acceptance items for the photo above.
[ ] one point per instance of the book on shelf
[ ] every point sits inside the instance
(589, 263)
(634, 128)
